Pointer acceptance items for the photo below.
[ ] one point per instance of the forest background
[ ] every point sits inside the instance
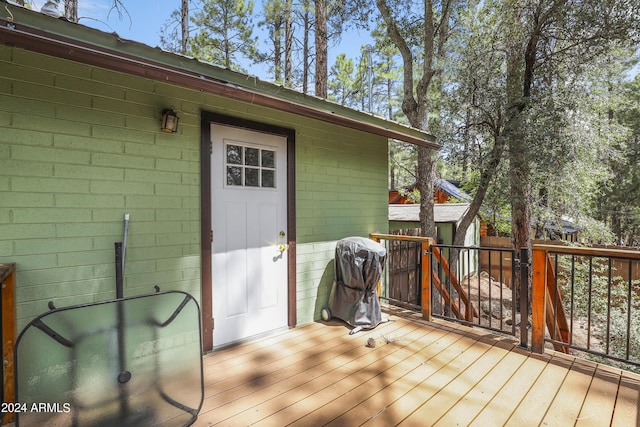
(536, 103)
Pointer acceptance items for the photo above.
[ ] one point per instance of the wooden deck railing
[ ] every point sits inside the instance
(469, 311)
(425, 266)
(8, 333)
(447, 282)
(582, 299)
(589, 301)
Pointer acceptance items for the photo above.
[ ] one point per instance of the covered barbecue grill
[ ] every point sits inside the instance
(359, 263)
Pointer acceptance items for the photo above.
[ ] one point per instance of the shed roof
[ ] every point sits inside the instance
(451, 189)
(443, 213)
(564, 226)
(443, 185)
(47, 35)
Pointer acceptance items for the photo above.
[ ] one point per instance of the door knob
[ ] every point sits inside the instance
(282, 247)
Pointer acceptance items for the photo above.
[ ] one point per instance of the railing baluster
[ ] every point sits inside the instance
(419, 258)
(480, 288)
(404, 270)
(490, 268)
(555, 302)
(590, 301)
(525, 265)
(629, 299)
(468, 273)
(501, 281)
(609, 306)
(573, 276)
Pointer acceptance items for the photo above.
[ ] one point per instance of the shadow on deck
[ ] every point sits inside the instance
(418, 374)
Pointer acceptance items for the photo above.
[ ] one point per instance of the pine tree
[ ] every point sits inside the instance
(225, 33)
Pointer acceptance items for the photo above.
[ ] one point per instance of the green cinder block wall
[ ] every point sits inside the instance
(341, 192)
(80, 146)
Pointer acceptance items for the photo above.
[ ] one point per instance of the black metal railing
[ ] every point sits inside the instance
(592, 301)
(474, 286)
(469, 285)
(584, 300)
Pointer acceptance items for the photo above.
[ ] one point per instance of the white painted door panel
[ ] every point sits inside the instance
(249, 270)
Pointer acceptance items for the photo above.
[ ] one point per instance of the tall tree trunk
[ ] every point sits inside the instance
(467, 144)
(184, 24)
(277, 50)
(517, 93)
(288, 44)
(321, 49)
(416, 107)
(389, 98)
(305, 46)
(71, 10)
(426, 179)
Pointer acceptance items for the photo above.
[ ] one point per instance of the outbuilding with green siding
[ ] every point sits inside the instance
(241, 207)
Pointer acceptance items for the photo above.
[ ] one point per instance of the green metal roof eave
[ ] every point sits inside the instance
(38, 32)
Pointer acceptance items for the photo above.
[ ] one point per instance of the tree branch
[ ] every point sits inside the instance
(409, 103)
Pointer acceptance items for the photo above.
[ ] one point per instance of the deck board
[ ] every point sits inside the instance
(334, 369)
(482, 393)
(626, 412)
(446, 370)
(502, 404)
(377, 406)
(532, 407)
(601, 398)
(347, 377)
(453, 393)
(363, 391)
(417, 374)
(565, 407)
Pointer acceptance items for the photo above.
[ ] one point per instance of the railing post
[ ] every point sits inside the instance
(8, 335)
(525, 265)
(426, 280)
(377, 240)
(538, 299)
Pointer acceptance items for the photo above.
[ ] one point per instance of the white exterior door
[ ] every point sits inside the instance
(249, 222)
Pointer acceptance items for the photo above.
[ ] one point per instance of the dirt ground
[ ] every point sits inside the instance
(485, 289)
(486, 293)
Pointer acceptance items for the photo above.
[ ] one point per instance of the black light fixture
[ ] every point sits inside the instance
(169, 121)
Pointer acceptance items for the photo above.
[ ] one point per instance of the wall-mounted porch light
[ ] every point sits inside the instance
(169, 121)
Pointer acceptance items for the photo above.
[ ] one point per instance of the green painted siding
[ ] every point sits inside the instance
(80, 147)
(341, 192)
(445, 233)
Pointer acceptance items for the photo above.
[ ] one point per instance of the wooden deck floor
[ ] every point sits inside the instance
(417, 374)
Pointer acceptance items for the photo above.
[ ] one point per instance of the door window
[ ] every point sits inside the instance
(248, 166)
